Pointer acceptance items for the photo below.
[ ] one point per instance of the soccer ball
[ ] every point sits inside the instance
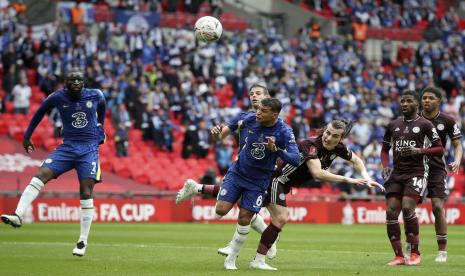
(208, 29)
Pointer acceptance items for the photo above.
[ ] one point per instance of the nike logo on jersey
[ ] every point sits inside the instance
(65, 106)
(397, 129)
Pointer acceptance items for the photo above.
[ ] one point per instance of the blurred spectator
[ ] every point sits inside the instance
(360, 30)
(223, 156)
(300, 127)
(2, 101)
(361, 131)
(216, 7)
(55, 119)
(21, 94)
(121, 140)
(404, 52)
(77, 18)
(196, 141)
(209, 177)
(121, 116)
(387, 50)
(10, 79)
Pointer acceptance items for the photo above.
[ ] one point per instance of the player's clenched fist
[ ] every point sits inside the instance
(216, 131)
(28, 145)
(270, 144)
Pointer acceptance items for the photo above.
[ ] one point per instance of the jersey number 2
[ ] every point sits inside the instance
(94, 168)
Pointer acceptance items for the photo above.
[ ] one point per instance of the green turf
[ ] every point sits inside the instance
(190, 249)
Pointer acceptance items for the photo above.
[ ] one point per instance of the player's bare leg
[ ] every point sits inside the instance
(394, 206)
(440, 225)
(27, 197)
(279, 217)
(240, 236)
(412, 229)
(86, 187)
(192, 188)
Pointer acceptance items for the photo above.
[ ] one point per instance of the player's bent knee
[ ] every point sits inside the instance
(222, 209)
(438, 210)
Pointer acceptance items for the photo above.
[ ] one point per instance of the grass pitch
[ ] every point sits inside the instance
(190, 249)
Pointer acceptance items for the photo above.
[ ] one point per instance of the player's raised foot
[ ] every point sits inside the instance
(398, 260)
(80, 249)
(256, 264)
(414, 259)
(187, 191)
(230, 263)
(13, 220)
(272, 251)
(225, 251)
(441, 257)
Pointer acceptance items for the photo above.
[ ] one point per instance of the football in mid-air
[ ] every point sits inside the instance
(208, 29)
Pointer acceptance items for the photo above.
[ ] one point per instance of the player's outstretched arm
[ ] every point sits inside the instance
(314, 166)
(458, 153)
(359, 166)
(219, 132)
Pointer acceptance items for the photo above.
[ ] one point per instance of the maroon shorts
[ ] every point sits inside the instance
(406, 185)
(276, 193)
(437, 184)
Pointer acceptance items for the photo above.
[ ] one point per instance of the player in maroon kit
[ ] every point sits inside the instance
(413, 140)
(436, 189)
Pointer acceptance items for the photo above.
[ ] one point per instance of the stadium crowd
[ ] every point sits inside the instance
(162, 80)
(397, 14)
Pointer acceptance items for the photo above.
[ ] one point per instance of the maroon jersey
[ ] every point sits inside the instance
(311, 148)
(401, 133)
(446, 127)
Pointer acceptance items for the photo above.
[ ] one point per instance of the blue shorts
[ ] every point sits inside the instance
(82, 157)
(235, 186)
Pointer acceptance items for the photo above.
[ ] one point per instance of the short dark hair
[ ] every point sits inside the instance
(411, 93)
(344, 124)
(74, 71)
(274, 104)
(434, 90)
(261, 86)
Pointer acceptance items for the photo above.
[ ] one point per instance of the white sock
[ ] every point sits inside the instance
(198, 188)
(258, 224)
(260, 257)
(87, 214)
(240, 235)
(30, 193)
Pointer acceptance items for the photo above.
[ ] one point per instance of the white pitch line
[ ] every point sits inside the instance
(169, 245)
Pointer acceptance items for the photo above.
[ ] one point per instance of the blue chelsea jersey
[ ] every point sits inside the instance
(242, 132)
(79, 117)
(255, 161)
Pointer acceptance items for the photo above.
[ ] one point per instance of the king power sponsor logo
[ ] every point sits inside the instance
(366, 215)
(105, 212)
